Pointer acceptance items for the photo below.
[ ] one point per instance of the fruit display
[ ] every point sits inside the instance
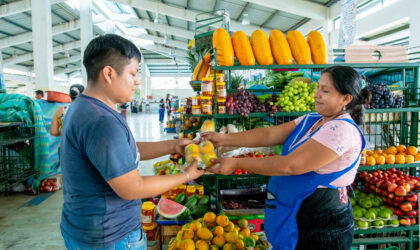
(222, 43)
(191, 122)
(201, 69)
(261, 47)
(298, 96)
(396, 189)
(280, 48)
(203, 153)
(319, 53)
(276, 79)
(392, 155)
(214, 232)
(183, 207)
(255, 154)
(370, 212)
(165, 167)
(242, 48)
(382, 97)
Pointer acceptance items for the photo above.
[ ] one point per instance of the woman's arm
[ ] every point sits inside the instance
(55, 128)
(309, 156)
(259, 137)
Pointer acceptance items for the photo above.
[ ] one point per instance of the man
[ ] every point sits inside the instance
(39, 94)
(99, 156)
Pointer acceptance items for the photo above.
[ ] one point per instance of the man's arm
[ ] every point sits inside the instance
(151, 150)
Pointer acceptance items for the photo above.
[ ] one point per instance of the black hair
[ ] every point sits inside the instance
(108, 50)
(346, 80)
(39, 92)
(75, 91)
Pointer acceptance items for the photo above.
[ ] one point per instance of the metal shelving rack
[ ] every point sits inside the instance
(402, 127)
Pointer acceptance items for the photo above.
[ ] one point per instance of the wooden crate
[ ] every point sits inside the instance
(167, 232)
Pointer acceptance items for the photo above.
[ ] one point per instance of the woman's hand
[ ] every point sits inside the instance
(217, 139)
(193, 172)
(180, 144)
(224, 166)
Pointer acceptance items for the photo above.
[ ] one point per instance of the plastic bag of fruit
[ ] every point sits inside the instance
(204, 154)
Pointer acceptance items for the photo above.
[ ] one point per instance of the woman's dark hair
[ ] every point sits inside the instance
(346, 80)
(161, 100)
(75, 91)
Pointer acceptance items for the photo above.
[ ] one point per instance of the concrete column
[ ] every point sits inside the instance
(149, 86)
(42, 44)
(143, 78)
(86, 32)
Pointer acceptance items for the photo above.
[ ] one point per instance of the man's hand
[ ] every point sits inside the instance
(180, 144)
(217, 139)
(224, 166)
(193, 172)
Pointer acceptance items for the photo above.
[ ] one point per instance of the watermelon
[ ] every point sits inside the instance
(170, 209)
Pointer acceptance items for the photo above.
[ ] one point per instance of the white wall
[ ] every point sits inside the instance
(181, 93)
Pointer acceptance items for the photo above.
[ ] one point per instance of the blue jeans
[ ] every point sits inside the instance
(161, 114)
(136, 241)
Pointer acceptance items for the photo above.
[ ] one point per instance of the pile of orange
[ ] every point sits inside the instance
(392, 155)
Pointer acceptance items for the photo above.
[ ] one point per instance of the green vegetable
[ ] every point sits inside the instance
(199, 211)
(180, 198)
(186, 215)
(194, 196)
(191, 203)
(204, 200)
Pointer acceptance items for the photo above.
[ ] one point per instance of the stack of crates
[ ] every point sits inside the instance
(17, 152)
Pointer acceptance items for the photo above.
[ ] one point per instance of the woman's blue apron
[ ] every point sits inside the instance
(286, 193)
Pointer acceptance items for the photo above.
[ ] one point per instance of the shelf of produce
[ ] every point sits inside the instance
(388, 166)
(382, 236)
(319, 66)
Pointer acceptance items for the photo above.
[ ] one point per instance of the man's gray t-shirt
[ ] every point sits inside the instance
(96, 146)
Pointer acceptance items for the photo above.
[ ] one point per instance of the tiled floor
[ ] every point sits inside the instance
(37, 227)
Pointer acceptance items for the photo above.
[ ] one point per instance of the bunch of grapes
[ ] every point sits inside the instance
(239, 103)
(271, 104)
(298, 96)
(382, 97)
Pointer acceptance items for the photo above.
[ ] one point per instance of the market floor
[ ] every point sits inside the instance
(27, 226)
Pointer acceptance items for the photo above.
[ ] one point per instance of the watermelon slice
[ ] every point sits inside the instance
(170, 209)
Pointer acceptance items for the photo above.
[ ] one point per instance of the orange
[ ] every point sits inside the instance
(390, 159)
(222, 220)
(401, 148)
(378, 151)
(380, 160)
(218, 230)
(375, 155)
(399, 159)
(411, 150)
(209, 217)
(369, 152)
(370, 161)
(391, 150)
(417, 157)
(409, 159)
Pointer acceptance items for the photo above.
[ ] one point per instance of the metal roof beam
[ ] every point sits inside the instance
(171, 43)
(296, 7)
(67, 70)
(161, 61)
(18, 7)
(64, 61)
(185, 14)
(30, 56)
(27, 36)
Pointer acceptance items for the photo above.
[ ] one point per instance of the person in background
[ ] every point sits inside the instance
(100, 157)
(58, 117)
(168, 108)
(307, 206)
(39, 94)
(123, 110)
(161, 110)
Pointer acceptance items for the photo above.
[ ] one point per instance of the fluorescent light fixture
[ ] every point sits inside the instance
(165, 40)
(245, 19)
(157, 20)
(173, 60)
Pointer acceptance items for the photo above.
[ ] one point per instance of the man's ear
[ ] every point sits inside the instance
(108, 74)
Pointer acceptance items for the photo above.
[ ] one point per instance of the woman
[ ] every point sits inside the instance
(161, 110)
(168, 108)
(307, 205)
(58, 117)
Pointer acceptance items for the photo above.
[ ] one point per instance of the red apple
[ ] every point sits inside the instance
(406, 206)
(384, 199)
(399, 172)
(398, 212)
(413, 221)
(412, 213)
(405, 221)
(392, 187)
(385, 185)
(412, 198)
(379, 183)
(396, 204)
(374, 173)
(386, 174)
(414, 204)
(363, 174)
(393, 170)
(400, 191)
(399, 198)
(407, 187)
(400, 182)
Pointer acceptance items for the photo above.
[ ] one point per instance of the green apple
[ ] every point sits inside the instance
(385, 213)
(357, 213)
(394, 222)
(382, 207)
(376, 201)
(371, 195)
(363, 224)
(362, 195)
(373, 210)
(356, 207)
(370, 215)
(378, 223)
(366, 203)
(364, 211)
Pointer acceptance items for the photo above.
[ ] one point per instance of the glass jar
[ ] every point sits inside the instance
(221, 90)
(363, 158)
(182, 188)
(190, 190)
(200, 190)
(206, 105)
(196, 110)
(196, 101)
(221, 105)
(207, 87)
(147, 213)
(151, 232)
(219, 77)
